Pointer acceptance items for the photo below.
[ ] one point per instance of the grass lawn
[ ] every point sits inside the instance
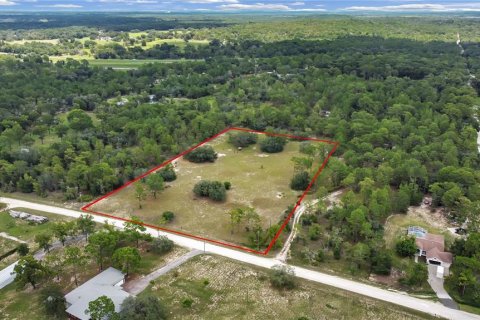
(116, 63)
(471, 309)
(257, 181)
(25, 230)
(20, 304)
(131, 64)
(224, 289)
(54, 199)
(49, 41)
(178, 42)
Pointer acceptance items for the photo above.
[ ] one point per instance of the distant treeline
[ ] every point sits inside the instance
(374, 57)
(105, 21)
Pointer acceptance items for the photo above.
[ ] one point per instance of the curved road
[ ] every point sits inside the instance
(426, 306)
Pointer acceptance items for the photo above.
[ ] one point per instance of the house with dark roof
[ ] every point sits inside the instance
(107, 283)
(431, 246)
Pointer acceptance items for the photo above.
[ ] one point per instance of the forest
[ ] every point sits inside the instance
(402, 108)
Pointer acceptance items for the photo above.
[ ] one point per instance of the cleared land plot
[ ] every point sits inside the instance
(224, 289)
(127, 64)
(259, 180)
(117, 63)
(49, 41)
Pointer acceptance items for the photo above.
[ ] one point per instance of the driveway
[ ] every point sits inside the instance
(138, 285)
(402, 299)
(437, 285)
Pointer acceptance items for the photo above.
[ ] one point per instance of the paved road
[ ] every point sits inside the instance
(427, 306)
(7, 275)
(137, 286)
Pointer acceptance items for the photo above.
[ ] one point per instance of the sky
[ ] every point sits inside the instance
(335, 6)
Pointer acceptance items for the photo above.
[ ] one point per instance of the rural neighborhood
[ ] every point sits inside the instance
(235, 159)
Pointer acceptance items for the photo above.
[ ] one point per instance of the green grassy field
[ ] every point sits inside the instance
(117, 63)
(224, 289)
(24, 230)
(131, 64)
(257, 180)
(49, 41)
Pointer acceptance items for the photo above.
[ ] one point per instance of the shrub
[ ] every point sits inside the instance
(272, 144)
(85, 198)
(308, 219)
(417, 275)
(320, 256)
(201, 154)
(214, 190)
(282, 277)
(337, 252)
(53, 301)
(406, 247)
(300, 181)
(227, 185)
(161, 245)
(23, 249)
(242, 139)
(168, 216)
(381, 262)
(314, 232)
(187, 302)
(142, 307)
(168, 173)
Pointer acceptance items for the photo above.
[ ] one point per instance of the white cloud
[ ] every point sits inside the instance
(66, 5)
(212, 1)
(298, 3)
(7, 3)
(126, 1)
(310, 10)
(474, 6)
(256, 6)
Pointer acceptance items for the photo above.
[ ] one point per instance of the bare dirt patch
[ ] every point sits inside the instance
(256, 181)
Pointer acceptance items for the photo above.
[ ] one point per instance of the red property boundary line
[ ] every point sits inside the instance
(86, 208)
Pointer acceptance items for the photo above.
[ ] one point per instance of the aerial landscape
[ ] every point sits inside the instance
(235, 159)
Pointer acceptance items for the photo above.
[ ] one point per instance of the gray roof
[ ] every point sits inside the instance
(103, 284)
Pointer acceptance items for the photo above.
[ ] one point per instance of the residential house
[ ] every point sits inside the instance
(107, 283)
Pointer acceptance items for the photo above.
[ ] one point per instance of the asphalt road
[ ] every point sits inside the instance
(426, 306)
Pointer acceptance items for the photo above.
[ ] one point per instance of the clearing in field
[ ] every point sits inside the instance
(257, 205)
(213, 287)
